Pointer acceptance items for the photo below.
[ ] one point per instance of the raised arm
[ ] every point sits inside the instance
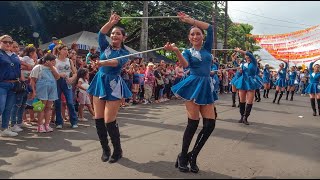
(253, 59)
(172, 47)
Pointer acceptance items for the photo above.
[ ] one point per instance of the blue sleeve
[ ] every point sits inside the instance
(187, 55)
(217, 64)
(253, 59)
(310, 67)
(209, 39)
(102, 41)
(124, 60)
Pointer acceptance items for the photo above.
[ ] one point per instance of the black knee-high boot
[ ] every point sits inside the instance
(255, 95)
(114, 133)
(318, 102)
(215, 111)
(292, 93)
(233, 99)
(275, 96)
(103, 137)
(203, 136)
(247, 114)
(281, 93)
(264, 93)
(313, 106)
(267, 93)
(242, 110)
(258, 95)
(182, 160)
(287, 95)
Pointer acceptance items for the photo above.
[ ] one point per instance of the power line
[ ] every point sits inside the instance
(263, 16)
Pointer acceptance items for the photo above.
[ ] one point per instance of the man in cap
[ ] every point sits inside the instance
(53, 44)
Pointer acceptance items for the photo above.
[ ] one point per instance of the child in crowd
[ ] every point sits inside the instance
(83, 96)
(44, 87)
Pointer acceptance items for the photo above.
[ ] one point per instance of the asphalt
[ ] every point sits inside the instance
(282, 141)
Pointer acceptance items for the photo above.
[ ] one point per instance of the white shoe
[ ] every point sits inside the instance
(48, 128)
(24, 125)
(41, 129)
(8, 133)
(83, 119)
(59, 127)
(74, 126)
(16, 128)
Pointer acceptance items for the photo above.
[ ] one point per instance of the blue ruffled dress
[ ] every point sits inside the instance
(292, 78)
(266, 76)
(248, 78)
(216, 81)
(198, 86)
(313, 87)
(107, 84)
(281, 81)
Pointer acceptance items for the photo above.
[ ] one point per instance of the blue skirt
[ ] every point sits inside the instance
(313, 88)
(248, 83)
(291, 82)
(233, 80)
(216, 82)
(266, 80)
(260, 81)
(109, 87)
(199, 89)
(281, 82)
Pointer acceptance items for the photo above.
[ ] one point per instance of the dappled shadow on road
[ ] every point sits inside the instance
(166, 169)
(4, 174)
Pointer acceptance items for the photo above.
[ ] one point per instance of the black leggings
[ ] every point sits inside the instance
(157, 92)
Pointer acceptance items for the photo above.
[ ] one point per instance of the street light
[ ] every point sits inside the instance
(36, 36)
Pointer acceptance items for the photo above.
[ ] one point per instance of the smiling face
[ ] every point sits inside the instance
(6, 43)
(316, 68)
(117, 37)
(196, 37)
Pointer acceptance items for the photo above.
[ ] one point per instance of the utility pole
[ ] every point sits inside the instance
(214, 23)
(225, 45)
(144, 30)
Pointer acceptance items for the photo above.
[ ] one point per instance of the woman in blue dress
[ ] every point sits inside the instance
(247, 83)
(214, 75)
(281, 82)
(108, 88)
(235, 77)
(313, 89)
(291, 86)
(197, 89)
(259, 80)
(266, 79)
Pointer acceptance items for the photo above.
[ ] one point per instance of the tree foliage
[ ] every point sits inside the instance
(63, 18)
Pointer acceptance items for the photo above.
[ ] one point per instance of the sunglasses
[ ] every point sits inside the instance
(7, 42)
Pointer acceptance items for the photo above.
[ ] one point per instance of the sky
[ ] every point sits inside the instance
(281, 17)
(300, 14)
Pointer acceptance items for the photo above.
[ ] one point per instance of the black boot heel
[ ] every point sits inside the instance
(105, 156)
(115, 157)
(182, 164)
(193, 163)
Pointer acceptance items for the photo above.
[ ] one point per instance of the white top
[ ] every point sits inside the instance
(85, 85)
(37, 70)
(63, 66)
(28, 60)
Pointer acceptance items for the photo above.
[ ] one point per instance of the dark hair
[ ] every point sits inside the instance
(198, 28)
(94, 56)
(123, 32)
(82, 72)
(28, 50)
(59, 47)
(47, 57)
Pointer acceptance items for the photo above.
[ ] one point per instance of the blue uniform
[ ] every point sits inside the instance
(198, 86)
(281, 81)
(214, 67)
(292, 78)
(236, 75)
(266, 76)
(248, 78)
(107, 84)
(313, 87)
(259, 79)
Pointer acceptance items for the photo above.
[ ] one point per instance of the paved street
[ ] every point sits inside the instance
(277, 144)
